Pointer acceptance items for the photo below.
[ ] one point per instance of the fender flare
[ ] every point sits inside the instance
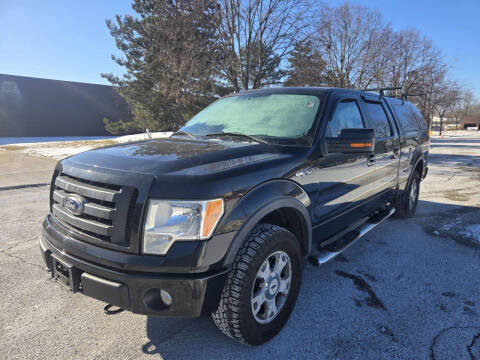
(258, 203)
(414, 166)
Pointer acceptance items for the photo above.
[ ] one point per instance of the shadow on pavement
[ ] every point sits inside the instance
(452, 159)
(439, 145)
(454, 140)
(415, 275)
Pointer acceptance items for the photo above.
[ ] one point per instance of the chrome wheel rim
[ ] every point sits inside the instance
(271, 287)
(413, 195)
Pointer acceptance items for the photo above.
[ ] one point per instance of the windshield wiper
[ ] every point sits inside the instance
(186, 133)
(233, 134)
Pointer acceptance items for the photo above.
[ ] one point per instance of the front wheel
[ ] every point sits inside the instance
(262, 286)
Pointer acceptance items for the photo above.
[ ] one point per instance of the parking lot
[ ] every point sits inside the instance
(409, 290)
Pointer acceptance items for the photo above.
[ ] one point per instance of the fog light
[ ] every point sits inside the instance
(166, 297)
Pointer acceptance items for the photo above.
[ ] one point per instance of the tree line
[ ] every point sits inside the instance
(180, 55)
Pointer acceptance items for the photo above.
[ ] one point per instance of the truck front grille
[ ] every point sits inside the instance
(106, 209)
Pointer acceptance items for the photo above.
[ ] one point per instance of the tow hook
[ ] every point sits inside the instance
(107, 309)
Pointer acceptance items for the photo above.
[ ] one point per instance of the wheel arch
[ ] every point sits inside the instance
(417, 164)
(281, 202)
(418, 167)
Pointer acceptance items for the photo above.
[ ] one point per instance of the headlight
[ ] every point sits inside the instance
(169, 221)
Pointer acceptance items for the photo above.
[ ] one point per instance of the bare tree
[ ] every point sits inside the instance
(351, 47)
(411, 58)
(352, 40)
(431, 86)
(474, 114)
(461, 108)
(255, 35)
(447, 98)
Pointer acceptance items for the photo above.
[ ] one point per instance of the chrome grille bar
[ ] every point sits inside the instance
(105, 212)
(85, 189)
(92, 209)
(85, 224)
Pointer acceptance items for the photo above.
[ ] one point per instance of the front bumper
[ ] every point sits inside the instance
(192, 294)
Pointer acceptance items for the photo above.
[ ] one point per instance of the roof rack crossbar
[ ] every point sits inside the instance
(382, 90)
(405, 95)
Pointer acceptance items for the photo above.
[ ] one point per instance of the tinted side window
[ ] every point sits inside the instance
(346, 116)
(407, 120)
(418, 115)
(378, 117)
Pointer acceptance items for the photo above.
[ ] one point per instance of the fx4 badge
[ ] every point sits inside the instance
(307, 171)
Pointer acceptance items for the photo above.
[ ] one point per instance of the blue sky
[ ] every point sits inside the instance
(68, 40)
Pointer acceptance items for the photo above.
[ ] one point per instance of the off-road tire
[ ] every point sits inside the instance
(403, 207)
(234, 316)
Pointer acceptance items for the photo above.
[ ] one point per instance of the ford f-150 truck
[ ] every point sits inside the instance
(219, 218)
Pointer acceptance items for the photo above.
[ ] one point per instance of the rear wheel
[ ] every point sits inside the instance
(408, 200)
(262, 287)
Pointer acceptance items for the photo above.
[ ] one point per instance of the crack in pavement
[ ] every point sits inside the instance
(21, 260)
(16, 187)
(470, 346)
(13, 221)
(18, 243)
(444, 331)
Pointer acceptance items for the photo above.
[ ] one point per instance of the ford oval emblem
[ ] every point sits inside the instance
(74, 203)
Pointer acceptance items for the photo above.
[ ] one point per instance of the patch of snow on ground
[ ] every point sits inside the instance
(144, 136)
(474, 231)
(455, 133)
(34, 140)
(63, 148)
(56, 152)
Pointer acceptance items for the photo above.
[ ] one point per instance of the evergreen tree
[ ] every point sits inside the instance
(170, 58)
(306, 66)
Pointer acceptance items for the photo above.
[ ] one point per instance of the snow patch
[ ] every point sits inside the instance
(63, 148)
(473, 232)
(144, 136)
(48, 139)
(56, 152)
(455, 133)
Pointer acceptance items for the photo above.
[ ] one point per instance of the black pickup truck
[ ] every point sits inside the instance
(220, 217)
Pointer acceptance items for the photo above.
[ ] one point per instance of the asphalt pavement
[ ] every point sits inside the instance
(409, 290)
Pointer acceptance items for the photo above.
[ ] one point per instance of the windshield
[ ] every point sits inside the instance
(277, 118)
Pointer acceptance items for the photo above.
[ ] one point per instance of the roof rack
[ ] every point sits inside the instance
(405, 95)
(381, 91)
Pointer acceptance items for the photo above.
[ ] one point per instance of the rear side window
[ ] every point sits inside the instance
(406, 117)
(378, 117)
(418, 115)
(346, 116)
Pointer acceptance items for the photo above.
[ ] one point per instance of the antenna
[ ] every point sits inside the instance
(382, 90)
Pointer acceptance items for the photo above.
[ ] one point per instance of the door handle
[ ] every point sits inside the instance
(371, 159)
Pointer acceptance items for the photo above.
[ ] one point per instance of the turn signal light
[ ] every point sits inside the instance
(359, 145)
(213, 213)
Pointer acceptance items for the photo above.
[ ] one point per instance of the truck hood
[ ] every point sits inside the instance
(178, 156)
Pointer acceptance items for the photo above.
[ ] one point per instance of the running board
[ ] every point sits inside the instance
(349, 239)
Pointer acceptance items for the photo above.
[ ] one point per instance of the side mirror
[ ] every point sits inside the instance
(351, 141)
